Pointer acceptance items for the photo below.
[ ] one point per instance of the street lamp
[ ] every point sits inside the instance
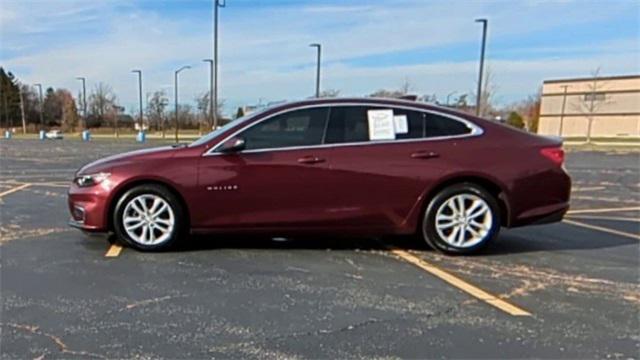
(484, 23)
(175, 90)
(140, 120)
(84, 99)
(211, 109)
(41, 106)
(319, 48)
(216, 4)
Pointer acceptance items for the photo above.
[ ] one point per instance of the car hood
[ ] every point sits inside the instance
(105, 164)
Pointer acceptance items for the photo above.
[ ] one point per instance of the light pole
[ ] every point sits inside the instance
(84, 99)
(175, 90)
(140, 120)
(319, 51)
(484, 42)
(211, 109)
(41, 106)
(216, 4)
(564, 103)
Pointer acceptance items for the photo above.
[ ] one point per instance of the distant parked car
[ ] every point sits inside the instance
(331, 166)
(54, 134)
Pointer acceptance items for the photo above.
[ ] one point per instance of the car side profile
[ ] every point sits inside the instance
(331, 166)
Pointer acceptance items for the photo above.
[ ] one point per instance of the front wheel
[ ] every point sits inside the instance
(149, 218)
(461, 219)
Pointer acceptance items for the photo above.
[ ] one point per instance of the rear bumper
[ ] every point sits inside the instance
(545, 215)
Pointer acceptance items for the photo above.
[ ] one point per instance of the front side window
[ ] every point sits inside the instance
(303, 127)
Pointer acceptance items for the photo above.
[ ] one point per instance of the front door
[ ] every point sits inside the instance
(278, 181)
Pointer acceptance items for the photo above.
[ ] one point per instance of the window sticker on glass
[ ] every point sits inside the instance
(381, 125)
(400, 124)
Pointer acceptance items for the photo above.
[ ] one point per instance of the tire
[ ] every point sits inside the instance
(443, 224)
(149, 218)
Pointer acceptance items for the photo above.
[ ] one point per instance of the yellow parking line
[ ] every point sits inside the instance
(589, 211)
(114, 251)
(461, 284)
(18, 188)
(600, 228)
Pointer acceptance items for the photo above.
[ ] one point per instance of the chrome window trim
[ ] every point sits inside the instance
(475, 130)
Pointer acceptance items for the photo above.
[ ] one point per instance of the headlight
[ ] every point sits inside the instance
(91, 179)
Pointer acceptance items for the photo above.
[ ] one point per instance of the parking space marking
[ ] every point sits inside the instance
(601, 228)
(588, 188)
(612, 218)
(15, 189)
(591, 211)
(114, 251)
(461, 284)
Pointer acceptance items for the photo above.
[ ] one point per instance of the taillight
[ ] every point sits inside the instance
(555, 154)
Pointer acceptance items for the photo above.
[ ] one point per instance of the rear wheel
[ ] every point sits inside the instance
(461, 219)
(149, 218)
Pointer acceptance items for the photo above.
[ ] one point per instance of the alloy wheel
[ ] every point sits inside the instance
(463, 220)
(148, 219)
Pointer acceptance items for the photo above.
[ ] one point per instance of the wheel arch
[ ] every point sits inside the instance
(120, 191)
(491, 185)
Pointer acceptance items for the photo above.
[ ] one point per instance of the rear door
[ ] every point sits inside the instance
(381, 181)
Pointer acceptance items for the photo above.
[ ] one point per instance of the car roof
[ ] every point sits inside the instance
(366, 101)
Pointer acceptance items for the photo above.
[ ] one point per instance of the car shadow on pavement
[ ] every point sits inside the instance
(508, 243)
(211, 242)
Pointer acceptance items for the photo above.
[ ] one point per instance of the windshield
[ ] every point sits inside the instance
(212, 135)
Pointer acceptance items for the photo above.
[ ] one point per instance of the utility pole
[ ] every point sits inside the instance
(319, 51)
(140, 119)
(175, 90)
(216, 5)
(564, 103)
(211, 109)
(484, 42)
(41, 106)
(84, 100)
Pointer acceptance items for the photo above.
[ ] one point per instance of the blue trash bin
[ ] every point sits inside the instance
(86, 135)
(41, 136)
(7, 134)
(142, 137)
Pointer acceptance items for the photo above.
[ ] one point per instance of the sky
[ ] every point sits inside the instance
(265, 54)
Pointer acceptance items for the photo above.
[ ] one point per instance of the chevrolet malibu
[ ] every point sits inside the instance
(365, 167)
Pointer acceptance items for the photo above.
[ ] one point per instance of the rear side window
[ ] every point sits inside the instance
(348, 124)
(437, 125)
(295, 128)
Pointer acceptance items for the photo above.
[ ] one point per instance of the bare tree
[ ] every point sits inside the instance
(488, 93)
(156, 108)
(403, 90)
(592, 101)
(101, 103)
(330, 93)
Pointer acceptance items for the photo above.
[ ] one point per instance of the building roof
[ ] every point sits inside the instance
(619, 77)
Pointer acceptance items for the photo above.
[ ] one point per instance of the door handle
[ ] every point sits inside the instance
(310, 160)
(425, 155)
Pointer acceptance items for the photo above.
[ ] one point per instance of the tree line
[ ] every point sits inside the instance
(20, 107)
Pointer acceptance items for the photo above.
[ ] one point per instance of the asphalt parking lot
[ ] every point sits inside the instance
(566, 290)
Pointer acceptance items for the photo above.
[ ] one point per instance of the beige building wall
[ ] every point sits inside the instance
(616, 107)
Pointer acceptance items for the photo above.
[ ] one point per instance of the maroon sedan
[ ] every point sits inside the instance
(334, 166)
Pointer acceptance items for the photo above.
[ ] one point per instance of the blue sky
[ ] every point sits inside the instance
(367, 45)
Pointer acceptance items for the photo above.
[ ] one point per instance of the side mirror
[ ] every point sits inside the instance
(232, 145)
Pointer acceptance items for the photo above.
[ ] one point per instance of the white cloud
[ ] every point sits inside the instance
(265, 53)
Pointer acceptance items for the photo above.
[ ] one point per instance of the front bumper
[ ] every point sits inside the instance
(88, 208)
